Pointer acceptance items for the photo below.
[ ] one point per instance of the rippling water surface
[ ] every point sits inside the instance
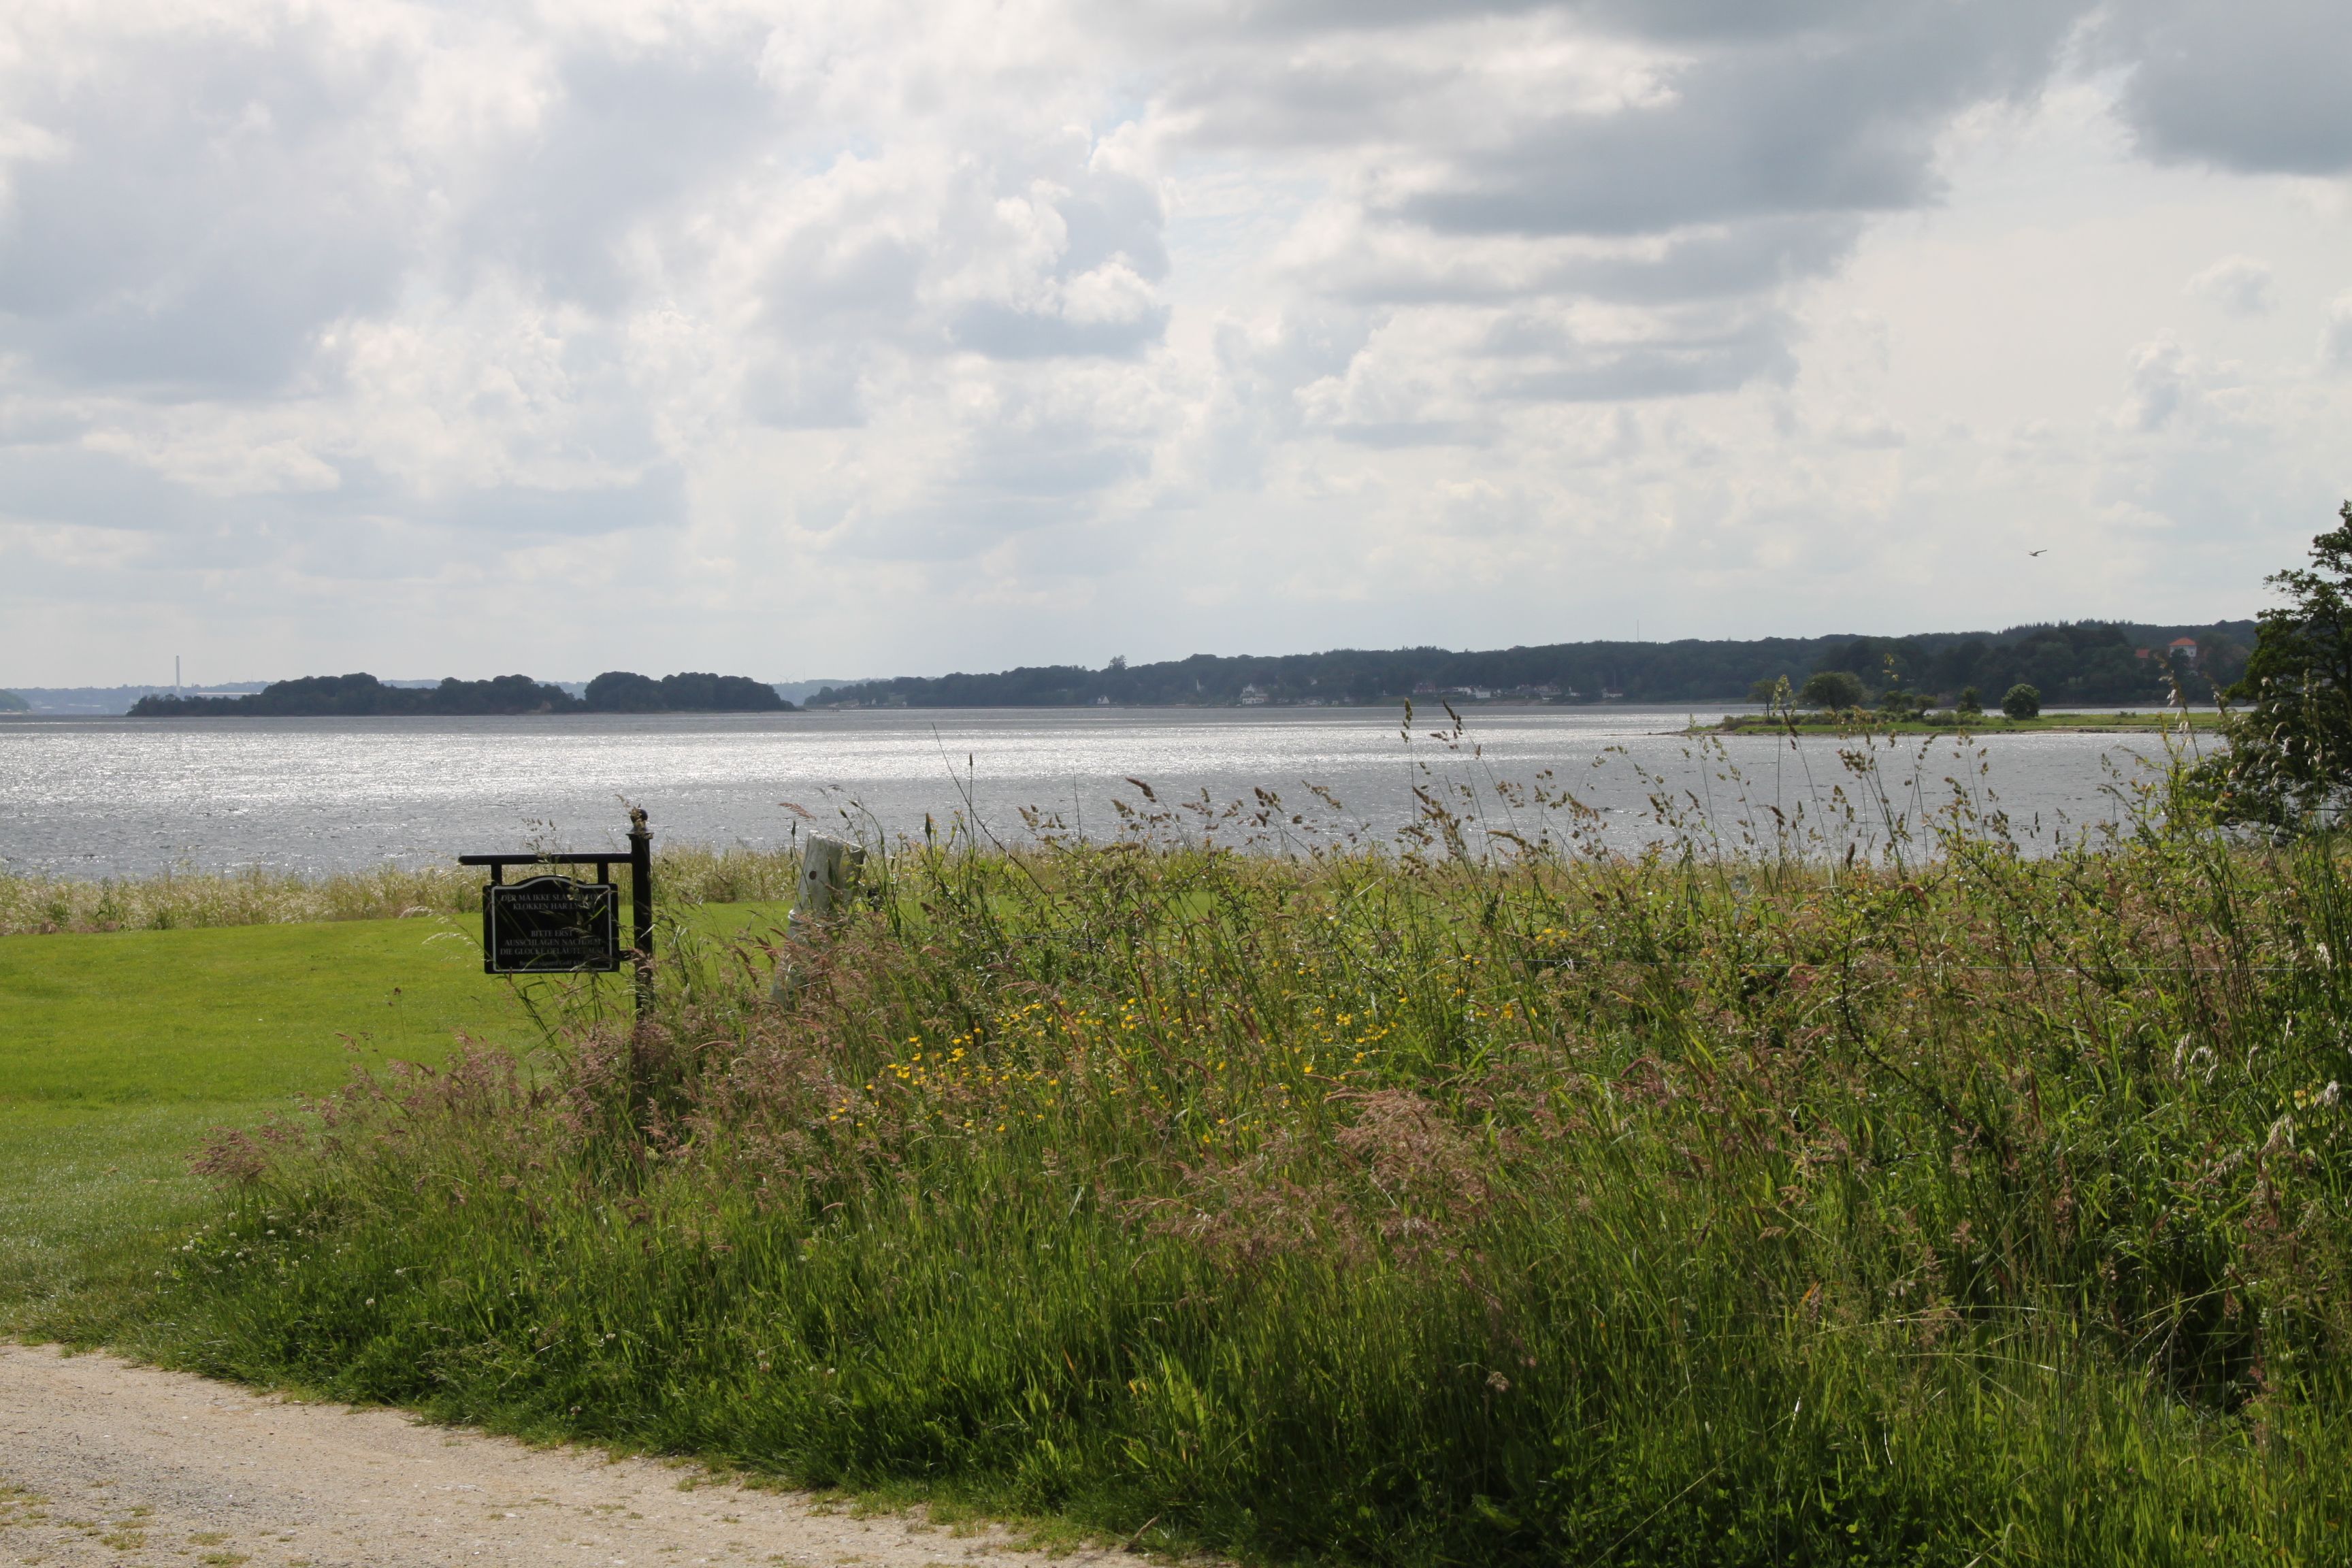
(131, 797)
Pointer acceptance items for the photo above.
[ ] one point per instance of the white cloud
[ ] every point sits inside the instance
(2161, 380)
(2240, 284)
(2336, 337)
(220, 463)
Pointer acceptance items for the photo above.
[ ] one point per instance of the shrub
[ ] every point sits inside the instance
(1834, 689)
(2022, 702)
(1972, 702)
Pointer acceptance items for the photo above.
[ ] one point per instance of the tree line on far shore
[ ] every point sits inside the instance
(2079, 662)
(2083, 661)
(363, 695)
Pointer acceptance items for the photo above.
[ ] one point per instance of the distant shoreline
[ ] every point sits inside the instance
(1678, 717)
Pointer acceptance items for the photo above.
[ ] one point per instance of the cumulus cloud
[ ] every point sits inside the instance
(2162, 379)
(2336, 337)
(2238, 283)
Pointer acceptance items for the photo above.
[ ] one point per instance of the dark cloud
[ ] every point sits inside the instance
(1834, 112)
(1738, 142)
(2258, 86)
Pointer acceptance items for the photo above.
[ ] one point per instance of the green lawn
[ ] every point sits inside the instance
(119, 1050)
(237, 1014)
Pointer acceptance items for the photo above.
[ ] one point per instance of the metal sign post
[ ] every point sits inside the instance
(561, 925)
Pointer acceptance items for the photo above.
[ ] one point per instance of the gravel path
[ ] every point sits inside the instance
(101, 1461)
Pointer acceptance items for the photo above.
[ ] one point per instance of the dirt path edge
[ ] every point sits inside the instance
(103, 1461)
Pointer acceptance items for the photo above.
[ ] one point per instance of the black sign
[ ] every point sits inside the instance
(551, 925)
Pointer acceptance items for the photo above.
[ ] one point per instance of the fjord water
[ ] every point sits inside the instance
(125, 797)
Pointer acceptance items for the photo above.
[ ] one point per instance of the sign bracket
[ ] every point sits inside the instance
(639, 859)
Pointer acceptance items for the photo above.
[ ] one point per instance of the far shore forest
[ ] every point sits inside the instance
(2096, 663)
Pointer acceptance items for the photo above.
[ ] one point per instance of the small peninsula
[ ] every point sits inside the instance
(364, 696)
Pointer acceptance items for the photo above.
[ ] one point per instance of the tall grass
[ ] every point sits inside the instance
(688, 873)
(1410, 1208)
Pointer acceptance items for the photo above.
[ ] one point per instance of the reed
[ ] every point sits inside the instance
(1711, 1205)
(178, 900)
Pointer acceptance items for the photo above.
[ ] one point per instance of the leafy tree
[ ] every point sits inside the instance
(1839, 688)
(624, 691)
(2022, 702)
(2290, 756)
(499, 694)
(699, 691)
(688, 691)
(1971, 701)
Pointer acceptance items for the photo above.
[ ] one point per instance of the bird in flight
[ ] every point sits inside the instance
(2044, 551)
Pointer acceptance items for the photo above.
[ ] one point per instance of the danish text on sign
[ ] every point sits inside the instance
(551, 925)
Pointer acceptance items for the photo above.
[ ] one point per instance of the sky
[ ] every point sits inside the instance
(835, 340)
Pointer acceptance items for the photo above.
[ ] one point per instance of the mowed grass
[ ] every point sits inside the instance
(120, 1051)
(239, 1013)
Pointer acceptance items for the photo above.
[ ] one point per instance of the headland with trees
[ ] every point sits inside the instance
(364, 696)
